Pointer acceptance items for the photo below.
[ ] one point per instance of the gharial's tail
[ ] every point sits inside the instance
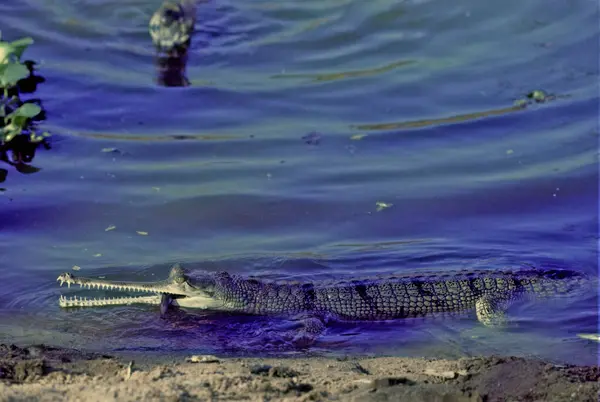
(556, 282)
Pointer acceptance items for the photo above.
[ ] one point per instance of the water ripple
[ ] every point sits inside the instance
(412, 102)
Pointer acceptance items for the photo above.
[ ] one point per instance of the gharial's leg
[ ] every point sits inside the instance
(299, 331)
(165, 302)
(311, 329)
(491, 311)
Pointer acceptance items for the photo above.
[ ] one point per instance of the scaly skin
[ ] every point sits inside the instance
(171, 26)
(488, 293)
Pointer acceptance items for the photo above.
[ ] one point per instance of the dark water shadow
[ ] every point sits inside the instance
(171, 68)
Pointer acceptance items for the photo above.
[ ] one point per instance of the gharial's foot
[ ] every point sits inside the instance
(296, 333)
(491, 312)
(311, 330)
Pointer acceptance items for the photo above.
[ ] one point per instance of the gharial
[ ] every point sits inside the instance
(488, 293)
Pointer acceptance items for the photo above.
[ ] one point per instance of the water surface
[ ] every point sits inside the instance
(412, 102)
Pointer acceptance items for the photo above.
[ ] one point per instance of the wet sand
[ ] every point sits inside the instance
(55, 374)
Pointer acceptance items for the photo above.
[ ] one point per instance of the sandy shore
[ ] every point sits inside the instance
(52, 374)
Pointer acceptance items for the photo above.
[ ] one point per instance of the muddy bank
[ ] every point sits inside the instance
(46, 373)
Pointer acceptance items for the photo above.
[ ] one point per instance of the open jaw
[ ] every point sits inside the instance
(164, 292)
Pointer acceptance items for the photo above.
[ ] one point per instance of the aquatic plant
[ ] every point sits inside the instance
(537, 96)
(18, 132)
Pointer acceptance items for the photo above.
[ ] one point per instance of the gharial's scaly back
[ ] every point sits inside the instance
(393, 297)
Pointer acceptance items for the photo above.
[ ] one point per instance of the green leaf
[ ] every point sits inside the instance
(18, 122)
(28, 110)
(13, 73)
(5, 52)
(10, 134)
(537, 95)
(33, 137)
(20, 45)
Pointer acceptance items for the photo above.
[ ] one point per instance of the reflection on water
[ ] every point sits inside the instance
(519, 105)
(413, 104)
(171, 69)
(346, 74)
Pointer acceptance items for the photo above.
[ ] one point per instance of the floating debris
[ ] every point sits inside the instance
(111, 150)
(76, 268)
(382, 205)
(509, 152)
(357, 137)
(536, 96)
(157, 189)
(141, 233)
(111, 227)
(591, 337)
(97, 255)
(521, 103)
(312, 138)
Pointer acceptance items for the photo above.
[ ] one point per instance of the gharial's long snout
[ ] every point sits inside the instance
(176, 285)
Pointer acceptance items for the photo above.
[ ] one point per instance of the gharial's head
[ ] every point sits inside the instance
(171, 26)
(181, 284)
(182, 289)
